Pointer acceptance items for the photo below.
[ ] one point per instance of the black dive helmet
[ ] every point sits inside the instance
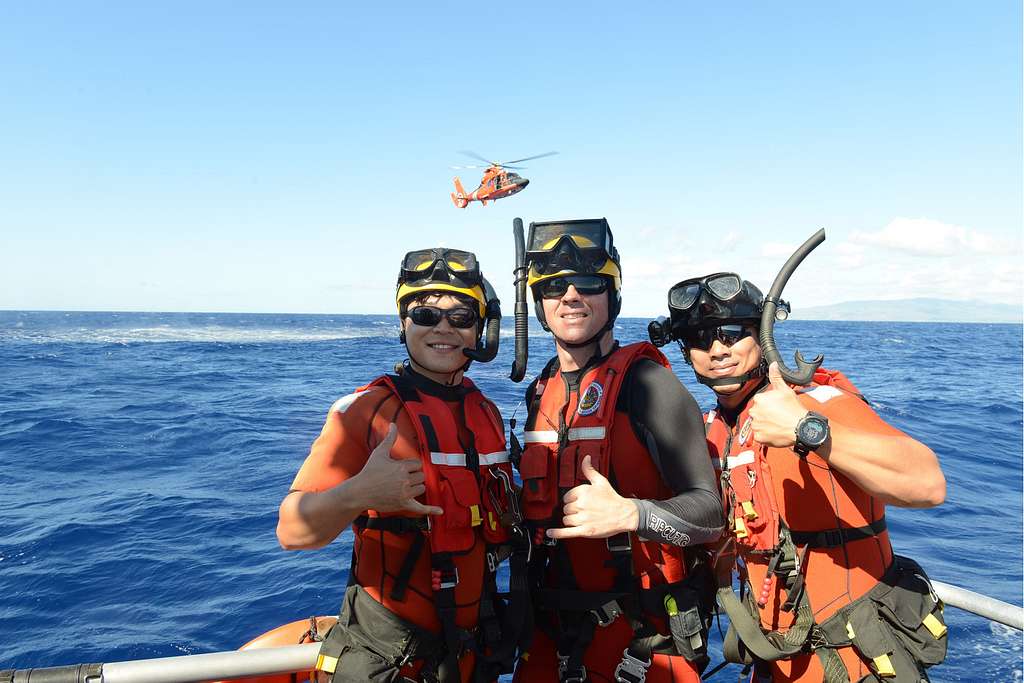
(456, 272)
(704, 303)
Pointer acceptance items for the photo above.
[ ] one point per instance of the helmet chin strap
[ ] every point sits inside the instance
(760, 371)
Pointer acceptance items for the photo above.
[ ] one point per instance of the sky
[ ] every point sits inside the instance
(282, 157)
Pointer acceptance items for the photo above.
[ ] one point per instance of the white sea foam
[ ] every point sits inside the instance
(211, 333)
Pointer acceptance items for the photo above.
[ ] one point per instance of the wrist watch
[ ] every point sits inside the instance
(811, 432)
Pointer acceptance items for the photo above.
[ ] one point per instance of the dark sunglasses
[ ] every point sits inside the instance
(722, 286)
(587, 285)
(429, 316)
(702, 339)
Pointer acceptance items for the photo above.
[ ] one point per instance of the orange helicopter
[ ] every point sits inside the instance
(497, 182)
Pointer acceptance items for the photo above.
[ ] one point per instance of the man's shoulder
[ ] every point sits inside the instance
(360, 399)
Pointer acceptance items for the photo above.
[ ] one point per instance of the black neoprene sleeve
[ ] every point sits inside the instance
(667, 419)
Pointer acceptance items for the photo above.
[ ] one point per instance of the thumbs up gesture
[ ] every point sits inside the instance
(775, 413)
(595, 510)
(392, 485)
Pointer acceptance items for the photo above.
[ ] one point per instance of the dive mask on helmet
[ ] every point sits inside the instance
(582, 246)
(713, 300)
(440, 265)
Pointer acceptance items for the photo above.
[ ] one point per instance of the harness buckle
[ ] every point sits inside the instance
(816, 639)
(631, 669)
(833, 538)
(620, 543)
(442, 579)
(606, 613)
(578, 675)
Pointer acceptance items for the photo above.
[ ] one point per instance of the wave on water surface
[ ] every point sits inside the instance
(146, 455)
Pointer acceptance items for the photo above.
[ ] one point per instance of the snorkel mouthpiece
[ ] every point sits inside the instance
(773, 306)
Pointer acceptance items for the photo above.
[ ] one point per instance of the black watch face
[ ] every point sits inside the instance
(813, 431)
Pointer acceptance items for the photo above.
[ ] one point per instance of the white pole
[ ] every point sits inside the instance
(982, 605)
(207, 667)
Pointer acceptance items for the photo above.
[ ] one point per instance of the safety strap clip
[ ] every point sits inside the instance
(565, 675)
(606, 613)
(631, 669)
(620, 543)
(441, 579)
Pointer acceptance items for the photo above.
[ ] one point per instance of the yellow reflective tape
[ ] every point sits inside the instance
(741, 528)
(883, 666)
(670, 606)
(748, 510)
(326, 663)
(849, 631)
(525, 656)
(937, 628)
(492, 521)
(474, 511)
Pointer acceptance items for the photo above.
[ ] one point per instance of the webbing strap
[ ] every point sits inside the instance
(444, 603)
(833, 538)
(397, 525)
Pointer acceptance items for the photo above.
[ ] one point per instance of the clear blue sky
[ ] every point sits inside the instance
(213, 156)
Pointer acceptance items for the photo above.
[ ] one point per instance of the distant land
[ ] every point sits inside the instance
(915, 310)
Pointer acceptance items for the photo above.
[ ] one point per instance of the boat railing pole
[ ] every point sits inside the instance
(216, 665)
(277, 660)
(982, 605)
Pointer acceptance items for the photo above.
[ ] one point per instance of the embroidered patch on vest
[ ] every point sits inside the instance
(590, 401)
(748, 424)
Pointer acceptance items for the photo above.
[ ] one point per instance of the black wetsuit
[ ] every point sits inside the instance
(666, 418)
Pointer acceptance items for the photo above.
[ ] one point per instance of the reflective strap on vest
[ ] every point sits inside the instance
(459, 459)
(574, 434)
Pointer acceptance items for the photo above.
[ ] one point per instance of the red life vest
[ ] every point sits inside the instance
(561, 429)
(461, 480)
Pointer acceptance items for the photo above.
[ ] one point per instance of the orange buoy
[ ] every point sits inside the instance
(295, 633)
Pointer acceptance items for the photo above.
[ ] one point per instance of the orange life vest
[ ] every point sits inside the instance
(804, 531)
(473, 484)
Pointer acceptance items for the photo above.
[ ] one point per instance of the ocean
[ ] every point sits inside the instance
(143, 457)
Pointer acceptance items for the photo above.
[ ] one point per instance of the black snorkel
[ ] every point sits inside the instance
(773, 311)
(492, 328)
(522, 319)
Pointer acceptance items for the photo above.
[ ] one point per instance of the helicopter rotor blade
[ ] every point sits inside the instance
(462, 167)
(539, 156)
(476, 156)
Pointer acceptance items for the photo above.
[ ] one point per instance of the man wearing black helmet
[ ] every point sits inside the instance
(617, 488)
(805, 476)
(416, 462)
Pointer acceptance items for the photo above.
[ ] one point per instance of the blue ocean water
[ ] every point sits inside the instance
(143, 457)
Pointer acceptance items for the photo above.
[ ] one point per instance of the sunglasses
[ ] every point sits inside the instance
(429, 316)
(587, 285)
(702, 339)
(722, 286)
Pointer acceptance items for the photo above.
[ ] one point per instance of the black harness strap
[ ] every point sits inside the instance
(833, 538)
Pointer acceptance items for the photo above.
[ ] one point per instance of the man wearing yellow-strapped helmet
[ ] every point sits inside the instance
(617, 490)
(417, 463)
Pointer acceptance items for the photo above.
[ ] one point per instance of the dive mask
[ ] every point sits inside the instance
(440, 265)
(582, 246)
